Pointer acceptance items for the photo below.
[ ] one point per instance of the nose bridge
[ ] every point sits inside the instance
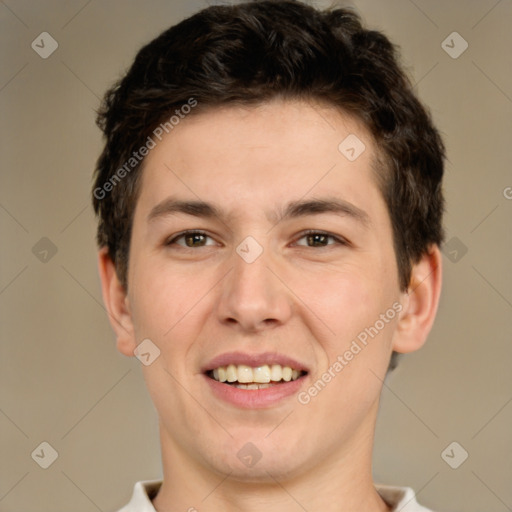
(251, 273)
(252, 296)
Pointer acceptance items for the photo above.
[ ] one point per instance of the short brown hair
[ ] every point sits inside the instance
(251, 53)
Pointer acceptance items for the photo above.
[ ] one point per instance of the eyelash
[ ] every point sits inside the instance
(338, 240)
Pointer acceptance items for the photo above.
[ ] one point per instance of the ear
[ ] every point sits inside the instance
(116, 302)
(420, 303)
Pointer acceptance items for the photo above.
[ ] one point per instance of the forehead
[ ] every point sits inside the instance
(266, 153)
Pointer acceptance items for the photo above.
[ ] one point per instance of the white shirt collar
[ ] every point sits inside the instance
(401, 499)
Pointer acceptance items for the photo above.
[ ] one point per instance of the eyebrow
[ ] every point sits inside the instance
(172, 206)
(294, 209)
(328, 205)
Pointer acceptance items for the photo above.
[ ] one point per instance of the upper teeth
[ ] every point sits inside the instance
(260, 374)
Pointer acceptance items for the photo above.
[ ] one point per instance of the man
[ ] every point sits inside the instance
(270, 207)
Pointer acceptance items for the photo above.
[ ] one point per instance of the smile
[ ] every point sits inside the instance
(259, 377)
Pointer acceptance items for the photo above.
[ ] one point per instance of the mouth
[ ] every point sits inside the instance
(246, 377)
(255, 381)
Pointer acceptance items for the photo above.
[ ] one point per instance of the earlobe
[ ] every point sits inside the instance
(421, 302)
(116, 302)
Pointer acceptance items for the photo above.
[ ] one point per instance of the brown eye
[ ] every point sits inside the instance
(191, 239)
(194, 239)
(318, 239)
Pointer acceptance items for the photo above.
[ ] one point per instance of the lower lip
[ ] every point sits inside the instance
(255, 398)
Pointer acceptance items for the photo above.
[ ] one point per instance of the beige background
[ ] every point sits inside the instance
(62, 380)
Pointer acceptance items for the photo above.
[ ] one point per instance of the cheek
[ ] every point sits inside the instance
(343, 304)
(339, 297)
(165, 301)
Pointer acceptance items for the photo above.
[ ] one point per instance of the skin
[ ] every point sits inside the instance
(306, 298)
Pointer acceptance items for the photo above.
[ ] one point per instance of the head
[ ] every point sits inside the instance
(265, 120)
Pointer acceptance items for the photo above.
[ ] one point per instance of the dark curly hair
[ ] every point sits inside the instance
(257, 51)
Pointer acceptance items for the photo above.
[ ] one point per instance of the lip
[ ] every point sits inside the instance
(254, 360)
(255, 398)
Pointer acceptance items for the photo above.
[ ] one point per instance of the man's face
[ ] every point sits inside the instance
(294, 263)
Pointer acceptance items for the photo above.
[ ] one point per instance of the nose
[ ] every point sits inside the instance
(253, 296)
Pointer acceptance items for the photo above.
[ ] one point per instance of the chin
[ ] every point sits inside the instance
(257, 462)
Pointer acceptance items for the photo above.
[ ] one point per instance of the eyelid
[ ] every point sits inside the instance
(338, 239)
(171, 240)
